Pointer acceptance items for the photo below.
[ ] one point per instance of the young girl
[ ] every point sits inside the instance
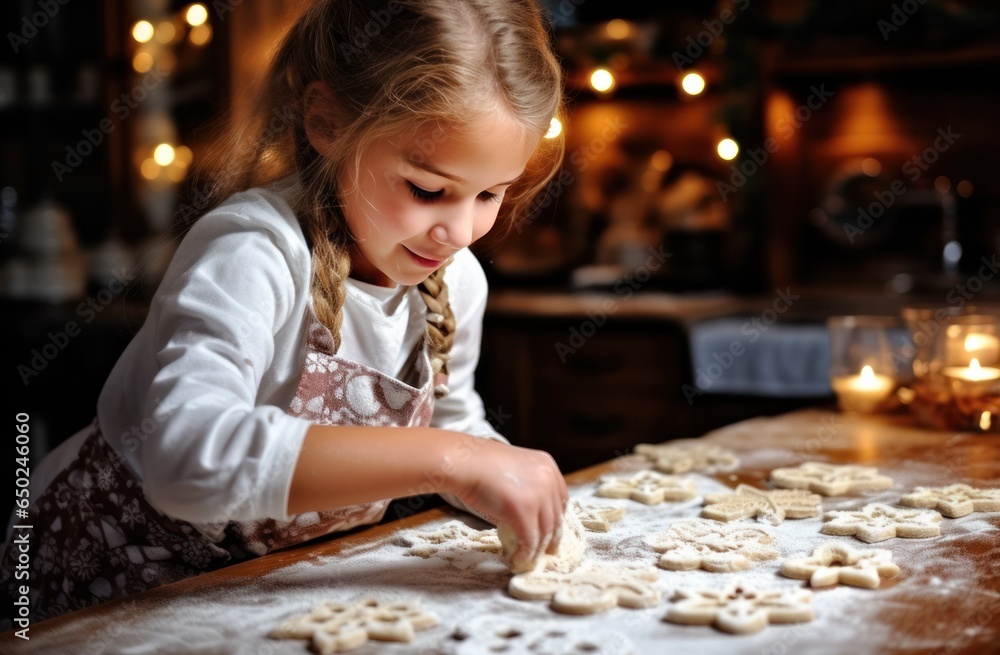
(309, 354)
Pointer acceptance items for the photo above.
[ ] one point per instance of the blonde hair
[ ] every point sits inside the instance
(392, 65)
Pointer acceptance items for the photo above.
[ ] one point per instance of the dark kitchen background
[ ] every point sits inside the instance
(735, 174)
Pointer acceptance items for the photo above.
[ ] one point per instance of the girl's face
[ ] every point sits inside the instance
(423, 196)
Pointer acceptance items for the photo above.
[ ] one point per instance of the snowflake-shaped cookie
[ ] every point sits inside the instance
(831, 479)
(771, 507)
(878, 522)
(336, 627)
(683, 455)
(647, 487)
(454, 542)
(834, 563)
(491, 634)
(593, 587)
(740, 608)
(597, 519)
(954, 501)
(717, 547)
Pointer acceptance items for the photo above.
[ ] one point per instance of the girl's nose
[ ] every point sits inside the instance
(455, 231)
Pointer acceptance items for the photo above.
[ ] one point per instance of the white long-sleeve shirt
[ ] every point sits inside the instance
(196, 403)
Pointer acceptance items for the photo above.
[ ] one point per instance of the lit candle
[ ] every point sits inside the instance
(973, 372)
(862, 393)
(984, 347)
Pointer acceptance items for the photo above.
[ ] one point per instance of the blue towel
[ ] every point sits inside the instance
(733, 356)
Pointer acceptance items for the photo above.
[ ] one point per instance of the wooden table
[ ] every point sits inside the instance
(946, 600)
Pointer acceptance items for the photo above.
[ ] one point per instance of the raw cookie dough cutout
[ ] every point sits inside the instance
(837, 563)
(337, 627)
(878, 522)
(770, 507)
(717, 547)
(597, 519)
(739, 608)
(953, 501)
(454, 542)
(647, 487)
(683, 455)
(594, 587)
(831, 479)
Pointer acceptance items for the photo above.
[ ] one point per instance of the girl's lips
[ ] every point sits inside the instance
(424, 261)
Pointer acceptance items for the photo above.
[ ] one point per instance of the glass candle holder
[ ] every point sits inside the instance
(957, 375)
(861, 369)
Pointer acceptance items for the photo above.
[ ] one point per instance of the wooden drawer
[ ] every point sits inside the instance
(612, 357)
(584, 428)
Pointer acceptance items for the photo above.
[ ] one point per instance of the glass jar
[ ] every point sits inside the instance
(956, 369)
(862, 374)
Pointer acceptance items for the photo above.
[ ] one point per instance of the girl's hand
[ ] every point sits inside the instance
(518, 487)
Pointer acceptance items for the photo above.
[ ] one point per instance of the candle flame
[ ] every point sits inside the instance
(868, 375)
(974, 366)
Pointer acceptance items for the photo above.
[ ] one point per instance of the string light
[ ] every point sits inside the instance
(555, 129)
(142, 31)
(871, 167)
(142, 62)
(165, 32)
(728, 149)
(196, 15)
(693, 84)
(149, 169)
(200, 35)
(163, 154)
(618, 29)
(602, 80)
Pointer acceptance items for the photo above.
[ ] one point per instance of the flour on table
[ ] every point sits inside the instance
(878, 522)
(717, 547)
(593, 587)
(683, 455)
(954, 500)
(837, 563)
(740, 608)
(647, 487)
(831, 479)
(771, 507)
(488, 635)
(570, 552)
(336, 627)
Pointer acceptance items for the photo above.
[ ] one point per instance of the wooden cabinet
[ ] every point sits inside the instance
(621, 386)
(551, 378)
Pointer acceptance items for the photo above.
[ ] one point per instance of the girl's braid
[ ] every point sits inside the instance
(440, 333)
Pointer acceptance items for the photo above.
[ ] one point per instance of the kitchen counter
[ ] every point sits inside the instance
(945, 600)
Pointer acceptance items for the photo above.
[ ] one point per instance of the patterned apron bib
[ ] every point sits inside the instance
(95, 536)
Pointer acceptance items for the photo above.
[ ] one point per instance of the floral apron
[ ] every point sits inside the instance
(95, 536)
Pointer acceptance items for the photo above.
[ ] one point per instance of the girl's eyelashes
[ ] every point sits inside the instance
(424, 195)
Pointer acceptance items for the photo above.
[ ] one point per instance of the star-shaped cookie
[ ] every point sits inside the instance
(831, 479)
(647, 487)
(336, 627)
(717, 547)
(683, 455)
(768, 506)
(955, 500)
(878, 522)
(740, 608)
(591, 588)
(597, 519)
(837, 563)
